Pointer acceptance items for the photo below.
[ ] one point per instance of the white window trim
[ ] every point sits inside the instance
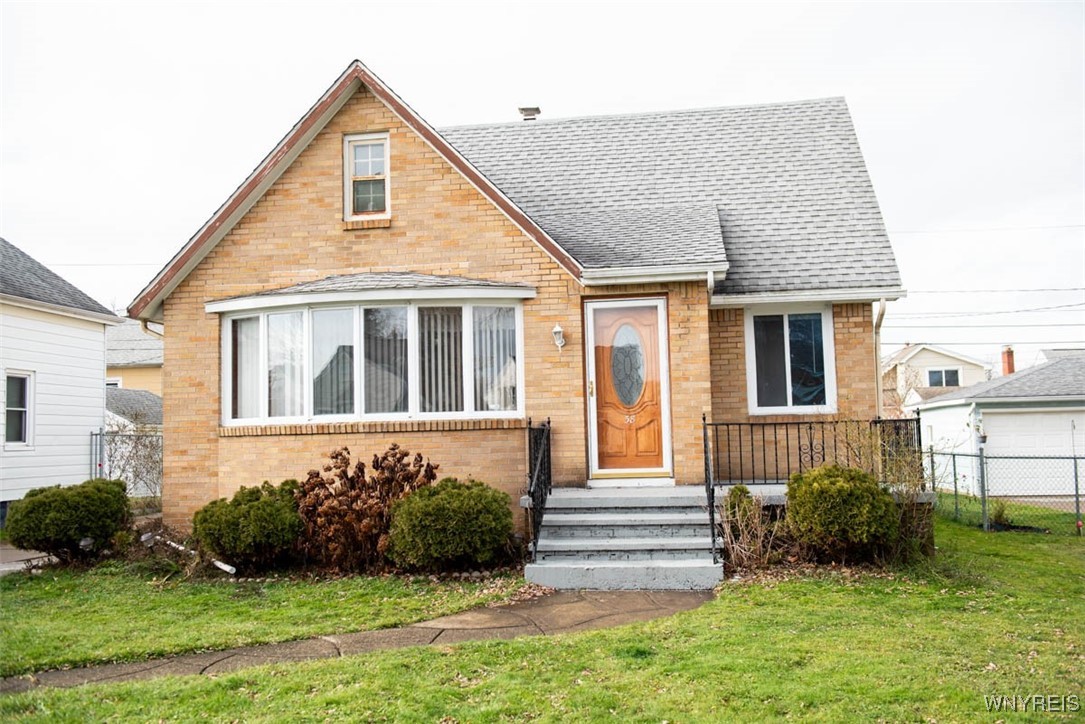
(828, 351)
(943, 369)
(30, 399)
(413, 413)
(350, 141)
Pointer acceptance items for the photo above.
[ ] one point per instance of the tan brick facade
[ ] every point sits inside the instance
(440, 224)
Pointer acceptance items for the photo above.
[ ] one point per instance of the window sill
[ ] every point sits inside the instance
(337, 428)
(800, 411)
(357, 224)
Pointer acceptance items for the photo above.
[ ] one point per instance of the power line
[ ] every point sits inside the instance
(994, 291)
(993, 228)
(978, 326)
(102, 264)
(956, 343)
(931, 315)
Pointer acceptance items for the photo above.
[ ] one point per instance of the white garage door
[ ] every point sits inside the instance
(1033, 434)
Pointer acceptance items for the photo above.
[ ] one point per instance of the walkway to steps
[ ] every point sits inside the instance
(551, 614)
(642, 538)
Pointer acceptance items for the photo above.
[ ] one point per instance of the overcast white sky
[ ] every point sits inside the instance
(123, 126)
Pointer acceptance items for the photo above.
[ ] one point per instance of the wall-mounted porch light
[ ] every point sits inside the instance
(559, 336)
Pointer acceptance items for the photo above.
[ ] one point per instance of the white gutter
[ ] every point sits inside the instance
(464, 293)
(144, 326)
(649, 274)
(822, 295)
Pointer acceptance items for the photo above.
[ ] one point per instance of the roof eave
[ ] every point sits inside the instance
(63, 310)
(147, 305)
(650, 274)
(862, 294)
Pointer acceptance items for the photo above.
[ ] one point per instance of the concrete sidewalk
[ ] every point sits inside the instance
(560, 612)
(13, 559)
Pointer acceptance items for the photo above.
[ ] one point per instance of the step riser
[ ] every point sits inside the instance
(574, 576)
(692, 554)
(624, 531)
(632, 510)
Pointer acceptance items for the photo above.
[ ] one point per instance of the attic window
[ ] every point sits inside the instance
(948, 377)
(365, 176)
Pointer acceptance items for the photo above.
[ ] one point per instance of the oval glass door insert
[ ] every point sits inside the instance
(627, 364)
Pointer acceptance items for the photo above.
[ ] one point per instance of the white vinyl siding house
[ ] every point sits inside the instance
(53, 358)
(63, 360)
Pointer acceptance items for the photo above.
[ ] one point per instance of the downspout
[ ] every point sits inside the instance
(143, 325)
(878, 356)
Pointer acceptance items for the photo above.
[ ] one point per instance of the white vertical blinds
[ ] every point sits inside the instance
(392, 361)
(440, 349)
(385, 345)
(285, 350)
(495, 358)
(245, 370)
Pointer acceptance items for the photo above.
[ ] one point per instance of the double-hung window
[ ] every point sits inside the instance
(947, 377)
(18, 406)
(790, 360)
(365, 176)
(374, 361)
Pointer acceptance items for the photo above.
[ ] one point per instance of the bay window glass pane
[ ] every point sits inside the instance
(440, 359)
(285, 354)
(952, 378)
(333, 362)
(771, 372)
(245, 368)
(495, 358)
(368, 196)
(807, 359)
(385, 351)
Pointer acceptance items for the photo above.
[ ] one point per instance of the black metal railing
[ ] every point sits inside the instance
(710, 489)
(757, 453)
(538, 477)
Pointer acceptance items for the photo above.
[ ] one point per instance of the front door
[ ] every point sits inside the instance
(628, 389)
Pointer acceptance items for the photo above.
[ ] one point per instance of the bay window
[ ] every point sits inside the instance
(790, 361)
(373, 361)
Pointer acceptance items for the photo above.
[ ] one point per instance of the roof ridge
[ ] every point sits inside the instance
(641, 114)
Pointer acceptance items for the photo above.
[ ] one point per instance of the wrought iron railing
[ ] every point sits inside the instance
(710, 489)
(757, 453)
(538, 477)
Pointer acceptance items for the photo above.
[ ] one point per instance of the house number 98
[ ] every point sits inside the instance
(630, 419)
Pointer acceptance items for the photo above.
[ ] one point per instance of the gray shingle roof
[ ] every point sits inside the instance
(137, 406)
(127, 345)
(368, 281)
(1063, 377)
(23, 276)
(788, 182)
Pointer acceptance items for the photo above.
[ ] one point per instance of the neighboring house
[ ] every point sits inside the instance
(376, 281)
(128, 410)
(919, 372)
(134, 356)
(52, 351)
(1039, 411)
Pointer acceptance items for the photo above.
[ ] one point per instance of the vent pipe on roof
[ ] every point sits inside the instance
(530, 113)
(1007, 360)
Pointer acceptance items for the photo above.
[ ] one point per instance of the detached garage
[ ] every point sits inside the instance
(1037, 412)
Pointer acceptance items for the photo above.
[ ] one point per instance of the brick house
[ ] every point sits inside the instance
(376, 281)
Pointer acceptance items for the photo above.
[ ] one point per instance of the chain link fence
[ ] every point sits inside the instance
(135, 458)
(1024, 493)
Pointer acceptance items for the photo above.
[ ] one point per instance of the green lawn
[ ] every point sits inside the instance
(61, 618)
(968, 509)
(999, 614)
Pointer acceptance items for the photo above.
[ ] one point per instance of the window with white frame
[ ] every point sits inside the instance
(790, 361)
(365, 176)
(18, 408)
(373, 361)
(945, 377)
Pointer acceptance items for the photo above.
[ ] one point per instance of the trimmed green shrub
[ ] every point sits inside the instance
(57, 520)
(449, 526)
(256, 529)
(841, 512)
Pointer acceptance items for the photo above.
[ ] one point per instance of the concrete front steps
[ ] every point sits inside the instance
(643, 538)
